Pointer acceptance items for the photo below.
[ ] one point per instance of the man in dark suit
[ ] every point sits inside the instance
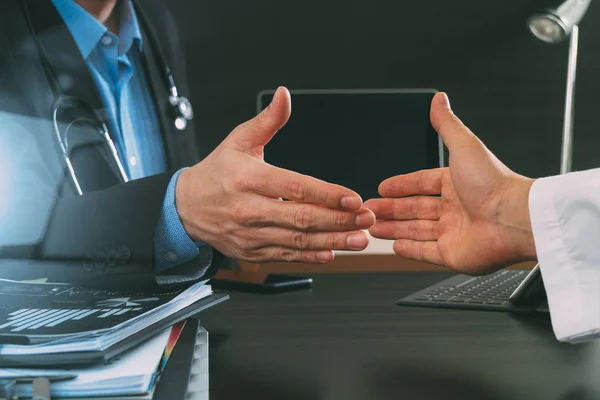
(68, 67)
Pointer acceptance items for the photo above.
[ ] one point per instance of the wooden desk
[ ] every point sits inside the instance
(346, 339)
(377, 257)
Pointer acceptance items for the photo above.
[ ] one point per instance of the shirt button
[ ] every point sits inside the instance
(133, 161)
(124, 254)
(107, 40)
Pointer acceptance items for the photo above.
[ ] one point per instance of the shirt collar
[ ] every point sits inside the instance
(87, 31)
(129, 28)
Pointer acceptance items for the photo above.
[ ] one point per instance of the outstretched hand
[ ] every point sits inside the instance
(481, 221)
(233, 200)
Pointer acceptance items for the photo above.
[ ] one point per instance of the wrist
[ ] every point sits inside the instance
(515, 220)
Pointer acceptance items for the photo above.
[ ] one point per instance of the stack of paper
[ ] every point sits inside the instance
(133, 373)
(43, 323)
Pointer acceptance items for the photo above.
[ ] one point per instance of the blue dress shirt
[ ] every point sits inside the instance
(115, 64)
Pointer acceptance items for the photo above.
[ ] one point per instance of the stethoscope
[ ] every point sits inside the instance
(180, 105)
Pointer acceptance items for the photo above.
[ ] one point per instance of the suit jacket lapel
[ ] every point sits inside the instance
(62, 53)
(92, 162)
(179, 145)
(160, 93)
(76, 80)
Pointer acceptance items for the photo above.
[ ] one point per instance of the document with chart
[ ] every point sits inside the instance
(41, 320)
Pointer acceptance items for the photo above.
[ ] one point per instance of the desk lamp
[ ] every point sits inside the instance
(552, 26)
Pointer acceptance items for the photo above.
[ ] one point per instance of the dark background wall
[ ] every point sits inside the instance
(505, 84)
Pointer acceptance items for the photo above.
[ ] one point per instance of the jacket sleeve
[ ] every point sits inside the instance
(103, 238)
(565, 216)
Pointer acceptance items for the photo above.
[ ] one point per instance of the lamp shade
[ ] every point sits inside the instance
(555, 24)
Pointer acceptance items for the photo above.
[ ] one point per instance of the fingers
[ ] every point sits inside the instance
(413, 230)
(290, 255)
(310, 217)
(420, 251)
(280, 183)
(297, 240)
(416, 207)
(426, 182)
(448, 125)
(258, 131)
(294, 246)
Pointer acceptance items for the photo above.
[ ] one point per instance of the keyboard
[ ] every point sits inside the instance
(490, 292)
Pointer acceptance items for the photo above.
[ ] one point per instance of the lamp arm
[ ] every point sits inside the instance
(567, 140)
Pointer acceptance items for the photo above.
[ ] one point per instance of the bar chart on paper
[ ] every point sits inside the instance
(31, 319)
(53, 309)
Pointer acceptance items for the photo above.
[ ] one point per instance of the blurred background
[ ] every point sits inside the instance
(504, 83)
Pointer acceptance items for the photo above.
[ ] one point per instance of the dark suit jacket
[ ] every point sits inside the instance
(105, 237)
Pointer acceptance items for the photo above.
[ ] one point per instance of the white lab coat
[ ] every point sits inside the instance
(565, 216)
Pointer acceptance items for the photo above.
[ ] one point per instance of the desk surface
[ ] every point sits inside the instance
(379, 256)
(345, 339)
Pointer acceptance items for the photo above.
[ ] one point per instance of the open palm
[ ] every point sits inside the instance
(480, 222)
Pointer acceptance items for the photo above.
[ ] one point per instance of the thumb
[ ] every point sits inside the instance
(258, 131)
(448, 125)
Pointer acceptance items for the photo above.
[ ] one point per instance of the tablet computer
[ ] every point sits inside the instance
(356, 138)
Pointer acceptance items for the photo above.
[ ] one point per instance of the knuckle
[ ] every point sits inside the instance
(287, 255)
(243, 215)
(341, 221)
(261, 255)
(254, 258)
(300, 240)
(307, 257)
(304, 218)
(296, 189)
(331, 242)
(241, 182)
(324, 196)
(244, 245)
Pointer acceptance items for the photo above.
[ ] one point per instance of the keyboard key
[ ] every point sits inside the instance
(444, 297)
(459, 299)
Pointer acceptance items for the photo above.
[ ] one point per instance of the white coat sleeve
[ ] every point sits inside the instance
(565, 217)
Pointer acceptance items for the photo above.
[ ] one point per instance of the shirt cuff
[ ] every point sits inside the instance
(559, 208)
(172, 245)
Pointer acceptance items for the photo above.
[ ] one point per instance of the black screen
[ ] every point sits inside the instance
(355, 139)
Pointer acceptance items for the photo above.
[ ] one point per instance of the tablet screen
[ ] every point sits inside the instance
(355, 138)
